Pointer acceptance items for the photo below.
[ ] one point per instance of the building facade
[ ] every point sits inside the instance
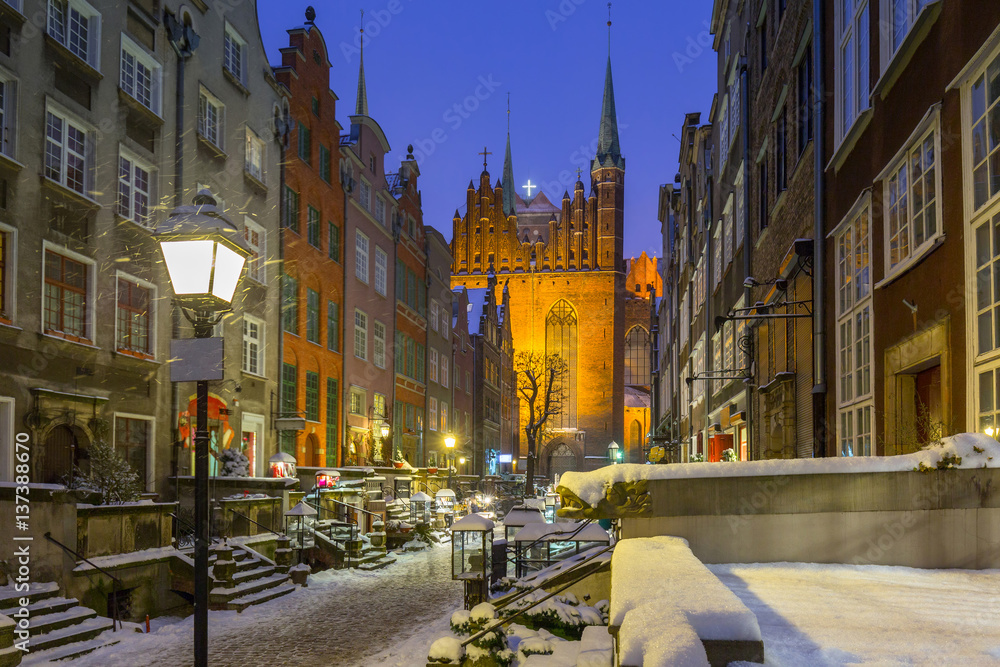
(443, 374)
(87, 314)
(312, 254)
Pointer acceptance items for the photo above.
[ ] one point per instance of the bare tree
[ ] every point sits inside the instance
(540, 386)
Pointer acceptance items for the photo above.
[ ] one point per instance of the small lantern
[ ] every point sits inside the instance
(614, 452)
(327, 479)
(550, 505)
(420, 508)
(471, 556)
(282, 465)
(445, 501)
(301, 511)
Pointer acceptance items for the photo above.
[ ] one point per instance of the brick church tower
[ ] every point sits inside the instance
(564, 269)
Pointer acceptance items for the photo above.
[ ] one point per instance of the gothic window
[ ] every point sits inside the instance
(561, 339)
(637, 357)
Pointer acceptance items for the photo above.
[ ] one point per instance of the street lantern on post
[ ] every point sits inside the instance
(449, 443)
(471, 556)
(384, 432)
(614, 452)
(205, 253)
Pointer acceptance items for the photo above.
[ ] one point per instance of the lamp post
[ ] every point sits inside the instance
(205, 254)
(613, 452)
(449, 443)
(384, 432)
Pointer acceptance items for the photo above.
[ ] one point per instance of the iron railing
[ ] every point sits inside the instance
(115, 581)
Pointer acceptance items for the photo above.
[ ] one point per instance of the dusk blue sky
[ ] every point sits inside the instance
(423, 58)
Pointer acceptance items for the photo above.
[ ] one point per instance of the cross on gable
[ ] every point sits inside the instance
(529, 187)
(484, 154)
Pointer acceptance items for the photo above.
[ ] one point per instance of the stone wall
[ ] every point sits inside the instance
(104, 530)
(939, 519)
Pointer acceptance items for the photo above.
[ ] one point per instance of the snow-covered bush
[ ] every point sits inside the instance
(447, 651)
(697, 457)
(729, 454)
(535, 646)
(109, 475)
(233, 463)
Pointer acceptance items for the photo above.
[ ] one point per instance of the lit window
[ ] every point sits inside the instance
(361, 256)
(911, 202)
(211, 119)
(433, 364)
(637, 357)
(357, 401)
(432, 413)
(360, 334)
(234, 54)
(77, 26)
(253, 345)
(68, 152)
(133, 442)
(256, 238)
(133, 330)
(67, 295)
(140, 75)
(379, 341)
(444, 416)
(254, 163)
(381, 268)
(135, 182)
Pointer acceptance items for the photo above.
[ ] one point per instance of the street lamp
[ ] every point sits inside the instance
(449, 443)
(614, 452)
(384, 432)
(205, 254)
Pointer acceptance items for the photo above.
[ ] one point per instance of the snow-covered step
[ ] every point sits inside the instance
(47, 623)
(52, 606)
(241, 603)
(377, 565)
(78, 632)
(220, 597)
(251, 575)
(10, 597)
(74, 650)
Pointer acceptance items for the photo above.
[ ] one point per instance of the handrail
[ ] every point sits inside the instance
(253, 522)
(189, 525)
(115, 581)
(523, 592)
(356, 509)
(580, 527)
(508, 619)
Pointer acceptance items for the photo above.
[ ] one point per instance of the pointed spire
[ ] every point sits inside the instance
(509, 192)
(607, 142)
(361, 108)
(457, 216)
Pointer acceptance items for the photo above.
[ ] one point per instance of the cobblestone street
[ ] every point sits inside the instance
(344, 618)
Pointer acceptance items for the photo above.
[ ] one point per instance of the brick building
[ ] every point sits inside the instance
(564, 271)
(312, 254)
(464, 364)
(443, 374)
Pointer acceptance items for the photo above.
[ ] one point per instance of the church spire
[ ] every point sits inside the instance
(361, 107)
(607, 142)
(509, 207)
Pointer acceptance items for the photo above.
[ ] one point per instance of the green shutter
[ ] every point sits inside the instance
(289, 399)
(334, 242)
(312, 315)
(333, 326)
(312, 396)
(332, 413)
(290, 304)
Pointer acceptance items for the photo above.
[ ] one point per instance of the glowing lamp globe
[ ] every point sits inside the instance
(204, 252)
(449, 442)
(384, 431)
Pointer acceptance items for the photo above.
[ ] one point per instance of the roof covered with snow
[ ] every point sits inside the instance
(420, 496)
(472, 522)
(975, 449)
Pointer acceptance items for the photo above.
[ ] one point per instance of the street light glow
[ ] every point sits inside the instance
(189, 264)
(449, 442)
(227, 270)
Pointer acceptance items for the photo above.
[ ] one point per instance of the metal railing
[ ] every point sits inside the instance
(115, 581)
(565, 537)
(256, 523)
(521, 594)
(187, 524)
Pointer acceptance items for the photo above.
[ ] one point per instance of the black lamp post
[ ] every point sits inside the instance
(205, 254)
(449, 443)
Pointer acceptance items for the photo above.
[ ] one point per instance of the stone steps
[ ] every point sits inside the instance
(69, 651)
(10, 597)
(220, 598)
(378, 564)
(80, 632)
(241, 603)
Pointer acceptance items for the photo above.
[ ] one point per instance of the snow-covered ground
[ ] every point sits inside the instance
(346, 618)
(825, 615)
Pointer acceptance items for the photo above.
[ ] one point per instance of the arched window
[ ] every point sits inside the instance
(635, 436)
(561, 339)
(637, 357)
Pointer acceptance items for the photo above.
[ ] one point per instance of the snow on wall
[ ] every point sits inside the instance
(663, 570)
(590, 486)
(657, 635)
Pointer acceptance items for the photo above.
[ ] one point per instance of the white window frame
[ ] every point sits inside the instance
(9, 277)
(362, 397)
(92, 54)
(380, 210)
(432, 365)
(444, 370)
(929, 127)
(888, 20)
(131, 190)
(739, 209)
(381, 270)
(66, 119)
(256, 154)
(205, 100)
(141, 57)
(9, 118)
(855, 391)
(435, 314)
(432, 409)
(232, 35)
(444, 417)
(361, 256)
(261, 345)
(365, 195)
(446, 321)
(256, 424)
(91, 288)
(151, 287)
(257, 262)
(150, 471)
(847, 30)
(360, 334)
(379, 344)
